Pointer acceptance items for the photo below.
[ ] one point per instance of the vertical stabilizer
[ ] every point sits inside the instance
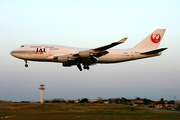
(152, 41)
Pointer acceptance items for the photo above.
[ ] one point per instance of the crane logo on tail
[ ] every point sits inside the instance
(155, 38)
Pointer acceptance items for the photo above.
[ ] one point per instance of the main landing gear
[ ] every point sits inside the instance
(26, 65)
(85, 66)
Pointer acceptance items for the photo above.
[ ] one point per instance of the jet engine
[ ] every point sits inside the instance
(63, 58)
(85, 54)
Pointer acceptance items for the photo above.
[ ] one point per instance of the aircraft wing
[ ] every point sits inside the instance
(87, 57)
(100, 51)
(110, 45)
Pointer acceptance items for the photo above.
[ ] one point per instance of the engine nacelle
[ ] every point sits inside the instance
(63, 59)
(85, 54)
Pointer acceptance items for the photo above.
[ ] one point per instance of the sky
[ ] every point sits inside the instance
(89, 24)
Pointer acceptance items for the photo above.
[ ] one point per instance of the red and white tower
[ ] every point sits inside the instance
(42, 93)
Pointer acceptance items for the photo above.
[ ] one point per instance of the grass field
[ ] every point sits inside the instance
(71, 111)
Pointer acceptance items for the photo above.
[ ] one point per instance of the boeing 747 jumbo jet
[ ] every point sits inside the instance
(70, 56)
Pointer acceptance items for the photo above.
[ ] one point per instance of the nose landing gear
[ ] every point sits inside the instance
(26, 65)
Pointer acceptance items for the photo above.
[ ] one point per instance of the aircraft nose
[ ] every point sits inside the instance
(13, 53)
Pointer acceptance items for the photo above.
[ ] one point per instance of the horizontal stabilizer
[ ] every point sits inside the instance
(154, 51)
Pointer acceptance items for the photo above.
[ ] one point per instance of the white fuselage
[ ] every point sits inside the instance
(70, 56)
(47, 52)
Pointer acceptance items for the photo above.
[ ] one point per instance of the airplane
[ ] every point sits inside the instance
(70, 56)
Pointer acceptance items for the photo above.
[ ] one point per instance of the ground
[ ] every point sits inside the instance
(87, 111)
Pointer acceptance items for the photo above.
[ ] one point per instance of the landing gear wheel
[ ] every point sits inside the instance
(26, 65)
(88, 67)
(79, 66)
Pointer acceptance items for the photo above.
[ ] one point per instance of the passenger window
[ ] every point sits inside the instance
(22, 45)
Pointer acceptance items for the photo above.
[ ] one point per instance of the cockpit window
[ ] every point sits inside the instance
(22, 45)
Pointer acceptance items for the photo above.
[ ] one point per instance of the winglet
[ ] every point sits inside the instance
(122, 40)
